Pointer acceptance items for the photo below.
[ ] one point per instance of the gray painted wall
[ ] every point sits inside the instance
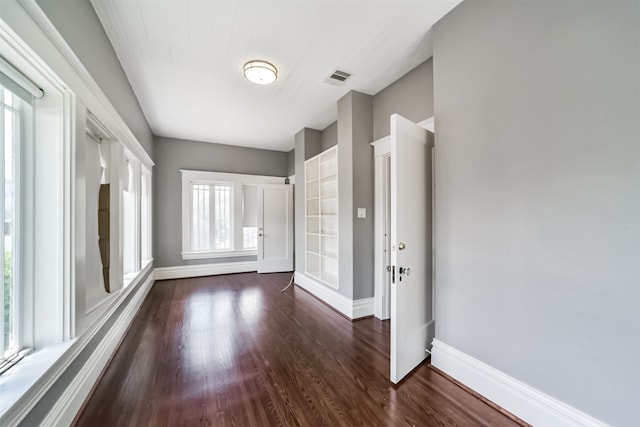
(355, 179)
(363, 183)
(411, 96)
(329, 136)
(291, 162)
(171, 155)
(538, 202)
(79, 25)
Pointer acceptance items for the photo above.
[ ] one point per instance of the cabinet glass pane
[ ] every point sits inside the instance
(329, 225)
(313, 264)
(313, 189)
(327, 166)
(329, 270)
(313, 243)
(313, 225)
(313, 207)
(312, 169)
(330, 246)
(329, 206)
(329, 188)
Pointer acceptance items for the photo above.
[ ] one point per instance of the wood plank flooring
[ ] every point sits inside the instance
(234, 351)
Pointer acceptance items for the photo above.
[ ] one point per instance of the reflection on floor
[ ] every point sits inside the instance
(234, 350)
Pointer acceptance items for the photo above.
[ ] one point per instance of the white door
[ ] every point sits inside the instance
(275, 228)
(412, 327)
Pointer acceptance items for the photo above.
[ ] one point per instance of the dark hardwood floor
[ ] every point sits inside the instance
(234, 351)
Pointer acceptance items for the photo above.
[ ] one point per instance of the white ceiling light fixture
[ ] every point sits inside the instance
(260, 72)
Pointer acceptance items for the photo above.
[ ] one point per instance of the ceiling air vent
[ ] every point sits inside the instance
(338, 78)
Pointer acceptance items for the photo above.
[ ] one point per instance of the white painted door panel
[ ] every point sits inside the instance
(275, 228)
(412, 327)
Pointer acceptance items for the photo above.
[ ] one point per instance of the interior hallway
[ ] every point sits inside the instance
(234, 350)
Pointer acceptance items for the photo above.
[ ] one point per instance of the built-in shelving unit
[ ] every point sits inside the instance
(321, 216)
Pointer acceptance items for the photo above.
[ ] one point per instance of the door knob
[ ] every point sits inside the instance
(400, 246)
(404, 270)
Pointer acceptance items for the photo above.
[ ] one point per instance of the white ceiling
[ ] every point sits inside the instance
(184, 60)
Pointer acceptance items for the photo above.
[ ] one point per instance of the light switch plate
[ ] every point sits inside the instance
(362, 212)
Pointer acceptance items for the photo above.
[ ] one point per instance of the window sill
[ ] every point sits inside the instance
(128, 278)
(16, 383)
(222, 254)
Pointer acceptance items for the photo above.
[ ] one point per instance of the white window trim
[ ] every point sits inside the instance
(190, 177)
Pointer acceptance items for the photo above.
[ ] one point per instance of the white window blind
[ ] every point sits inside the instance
(249, 216)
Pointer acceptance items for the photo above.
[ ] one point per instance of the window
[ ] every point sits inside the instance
(145, 215)
(220, 214)
(130, 252)
(211, 224)
(250, 216)
(10, 125)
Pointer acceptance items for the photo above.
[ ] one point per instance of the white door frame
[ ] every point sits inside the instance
(382, 293)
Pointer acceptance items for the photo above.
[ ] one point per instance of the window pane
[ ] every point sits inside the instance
(9, 123)
(222, 217)
(145, 216)
(128, 232)
(250, 237)
(200, 233)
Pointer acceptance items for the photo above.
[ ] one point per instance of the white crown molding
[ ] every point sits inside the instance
(353, 309)
(184, 271)
(91, 95)
(522, 400)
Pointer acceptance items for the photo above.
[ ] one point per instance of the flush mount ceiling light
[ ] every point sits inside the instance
(260, 72)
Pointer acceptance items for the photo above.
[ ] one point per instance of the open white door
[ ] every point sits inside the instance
(412, 327)
(275, 228)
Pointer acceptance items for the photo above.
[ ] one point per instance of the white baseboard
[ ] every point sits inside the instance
(353, 309)
(184, 271)
(362, 308)
(522, 400)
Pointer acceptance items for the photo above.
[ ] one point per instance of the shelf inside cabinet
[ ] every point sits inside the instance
(321, 202)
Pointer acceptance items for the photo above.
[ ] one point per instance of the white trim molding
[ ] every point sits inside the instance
(184, 271)
(362, 308)
(71, 400)
(522, 400)
(428, 124)
(353, 309)
(219, 254)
